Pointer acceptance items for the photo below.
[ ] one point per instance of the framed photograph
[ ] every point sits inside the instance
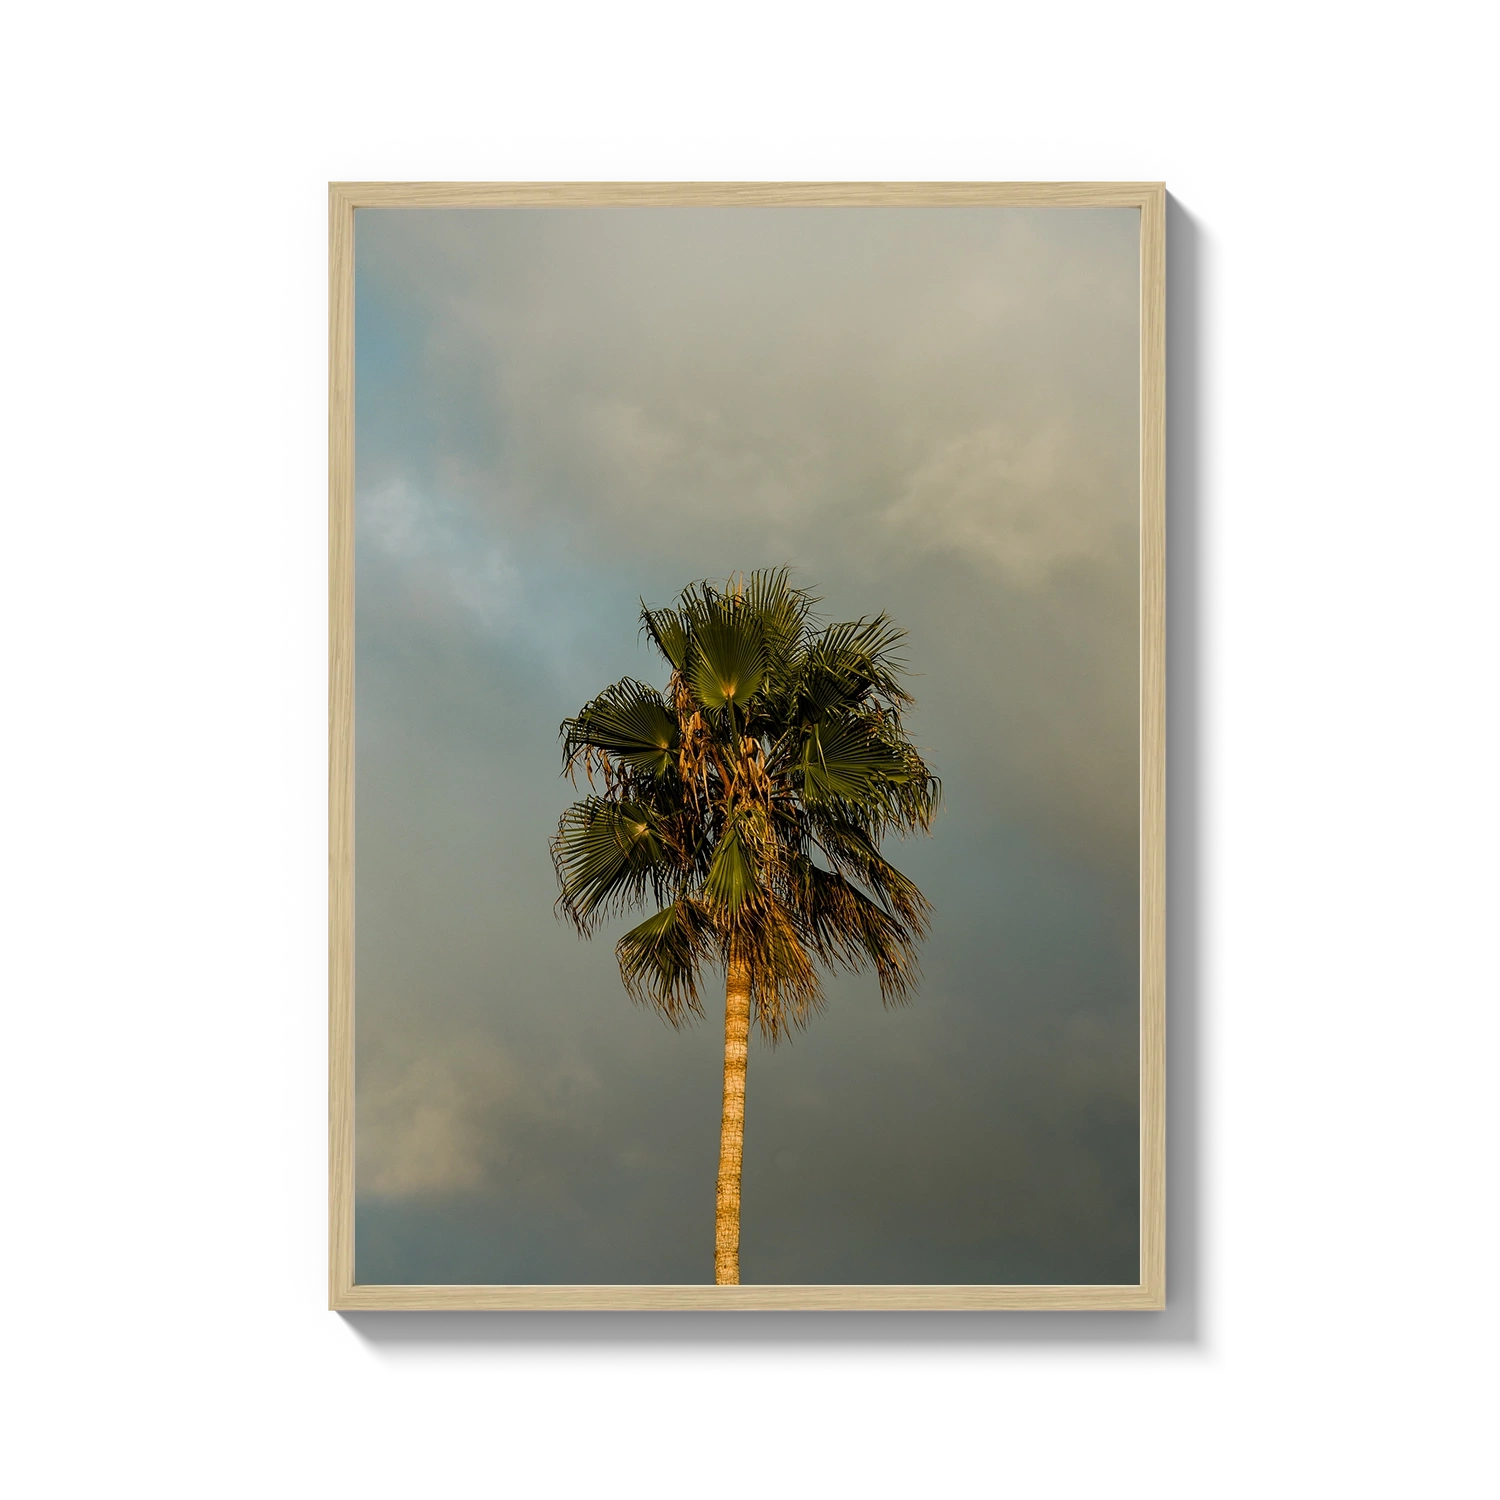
(747, 745)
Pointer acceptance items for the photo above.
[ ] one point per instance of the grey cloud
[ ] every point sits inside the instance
(797, 363)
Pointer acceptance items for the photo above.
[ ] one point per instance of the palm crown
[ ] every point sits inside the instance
(749, 801)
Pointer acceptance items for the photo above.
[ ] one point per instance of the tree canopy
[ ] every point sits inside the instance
(748, 801)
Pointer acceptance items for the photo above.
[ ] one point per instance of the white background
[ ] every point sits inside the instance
(1333, 261)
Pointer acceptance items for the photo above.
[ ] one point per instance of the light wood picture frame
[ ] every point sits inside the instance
(346, 200)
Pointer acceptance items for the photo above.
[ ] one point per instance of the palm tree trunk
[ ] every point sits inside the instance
(732, 1126)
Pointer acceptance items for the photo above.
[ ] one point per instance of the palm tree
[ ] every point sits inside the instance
(749, 801)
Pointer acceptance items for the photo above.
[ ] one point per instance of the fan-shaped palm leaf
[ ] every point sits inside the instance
(848, 928)
(606, 854)
(862, 658)
(726, 656)
(668, 631)
(731, 874)
(628, 720)
(659, 959)
(844, 761)
(783, 612)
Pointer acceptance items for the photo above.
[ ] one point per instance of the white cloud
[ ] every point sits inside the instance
(452, 570)
(1004, 494)
(419, 1130)
(449, 561)
(446, 1119)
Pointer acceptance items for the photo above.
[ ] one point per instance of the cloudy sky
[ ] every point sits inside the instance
(928, 411)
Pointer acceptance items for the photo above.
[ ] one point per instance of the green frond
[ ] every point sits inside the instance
(726, 656)
(629, 721)
(668, 631)
(660, 959)
(854, 854)
(848, 928)
(822, 693)
(843, 761)
(607, 855)
(912, 802)
(859, 768)
(731, 874)
(783, 611)
(863, 655)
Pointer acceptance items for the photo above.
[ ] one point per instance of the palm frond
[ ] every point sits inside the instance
(822, 692)
(731, 875)
(855, 856)
(630, 721)
(668, 631)
(785, 991)
(726, 656)
(607, 855)
(848, 928)
(660, 958)
(783, 612)
(864, 654)
(843, 761)
(912, 801)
